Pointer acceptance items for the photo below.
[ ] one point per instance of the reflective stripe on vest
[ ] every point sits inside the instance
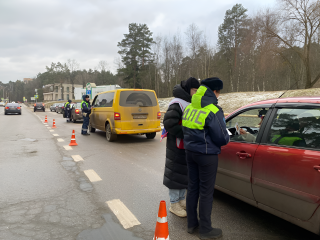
(194, 116)
(85, 103)
(287, 141)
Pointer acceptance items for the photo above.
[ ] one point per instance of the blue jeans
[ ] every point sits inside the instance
(85, 125)
(176, 195)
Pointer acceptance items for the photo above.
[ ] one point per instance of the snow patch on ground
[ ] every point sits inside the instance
(232, 101)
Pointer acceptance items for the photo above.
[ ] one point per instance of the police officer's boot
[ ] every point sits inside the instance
(176, 209)
(213, 234)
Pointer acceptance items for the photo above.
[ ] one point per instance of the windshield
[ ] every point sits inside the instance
(137, 99)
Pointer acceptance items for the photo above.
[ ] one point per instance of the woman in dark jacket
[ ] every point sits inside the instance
(176, 172)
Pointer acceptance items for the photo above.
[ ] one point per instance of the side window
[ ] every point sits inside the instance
(95, 102)
(245, 126)
(296, 128)
(107, 99)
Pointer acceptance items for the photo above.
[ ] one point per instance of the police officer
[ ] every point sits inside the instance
(205, 132)
(67, 110)
(86, 110)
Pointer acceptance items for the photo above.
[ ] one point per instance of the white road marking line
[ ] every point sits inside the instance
(92, 175)
(49, 127)
(77, 158)
(51, 130)
(56, 135)
(126, 218)
(67, 147)
(60, 140)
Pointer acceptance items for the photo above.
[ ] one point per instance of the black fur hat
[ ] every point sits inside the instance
(213, 83)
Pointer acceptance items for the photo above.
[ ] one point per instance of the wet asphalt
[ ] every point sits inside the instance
(44, 194)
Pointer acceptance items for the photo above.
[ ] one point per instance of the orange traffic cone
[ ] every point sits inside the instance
(73, 139)
(54, 124)
(162, 228)
(46, 120)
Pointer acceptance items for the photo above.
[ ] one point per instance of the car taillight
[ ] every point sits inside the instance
(18, 108)
(117, 116)
(77, 111)
(7, 108)
(159, 115)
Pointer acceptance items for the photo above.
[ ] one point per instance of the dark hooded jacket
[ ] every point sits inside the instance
(207, 133)
(85, 105)
(176, 171)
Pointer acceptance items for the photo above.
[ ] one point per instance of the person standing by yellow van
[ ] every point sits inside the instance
(86, 110)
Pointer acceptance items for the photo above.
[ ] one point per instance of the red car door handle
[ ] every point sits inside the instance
(317, 168)
(243, 155)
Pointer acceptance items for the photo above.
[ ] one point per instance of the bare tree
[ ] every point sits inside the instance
(72, 66)
(194, 37)
(295, 25)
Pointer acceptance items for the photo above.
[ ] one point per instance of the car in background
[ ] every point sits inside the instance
(60, 108)
(12, 108)
(2, 104)
(126, 111)
(76, 112)
(273, 159)
(39, 106)
(53, 107)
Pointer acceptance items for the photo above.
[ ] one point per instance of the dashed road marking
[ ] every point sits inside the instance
(49, 127)
(92, 175)
(60, 140)
(67, 147)
(124, 215)
(56, 135)
(51, 130)
(77, 158)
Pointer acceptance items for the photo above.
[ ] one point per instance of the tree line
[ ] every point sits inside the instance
(68, 72)
(274, 49)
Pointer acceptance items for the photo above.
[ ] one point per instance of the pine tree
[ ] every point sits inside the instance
(135, 53)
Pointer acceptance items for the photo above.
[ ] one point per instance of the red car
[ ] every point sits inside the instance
(273, 159)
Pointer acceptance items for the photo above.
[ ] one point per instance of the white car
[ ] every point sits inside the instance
(2, 104)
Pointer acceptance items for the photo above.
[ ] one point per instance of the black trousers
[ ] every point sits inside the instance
(202, 171)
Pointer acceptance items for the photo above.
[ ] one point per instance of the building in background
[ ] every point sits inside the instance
(58, 91)
(92, 90)
(27, 80)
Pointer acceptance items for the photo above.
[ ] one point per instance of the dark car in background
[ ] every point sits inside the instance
(12, 108)
(39, 106)
(60, 108)
(53, 107)
(76, 112)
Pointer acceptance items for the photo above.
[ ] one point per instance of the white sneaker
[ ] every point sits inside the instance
(183, 204)
(176, 209)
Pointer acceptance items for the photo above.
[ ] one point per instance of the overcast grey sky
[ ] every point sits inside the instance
(34, 33)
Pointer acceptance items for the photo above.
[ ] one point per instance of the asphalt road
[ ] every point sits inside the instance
(45, 194)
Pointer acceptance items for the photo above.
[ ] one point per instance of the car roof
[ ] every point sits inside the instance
(126, 89)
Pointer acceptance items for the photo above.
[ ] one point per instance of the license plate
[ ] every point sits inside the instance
(12, 108)
(139, 116)
(39, 107)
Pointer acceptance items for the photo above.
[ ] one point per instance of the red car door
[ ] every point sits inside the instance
(236, 158)
(286, 168)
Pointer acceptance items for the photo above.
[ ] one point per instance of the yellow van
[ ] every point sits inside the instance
(126, 111)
